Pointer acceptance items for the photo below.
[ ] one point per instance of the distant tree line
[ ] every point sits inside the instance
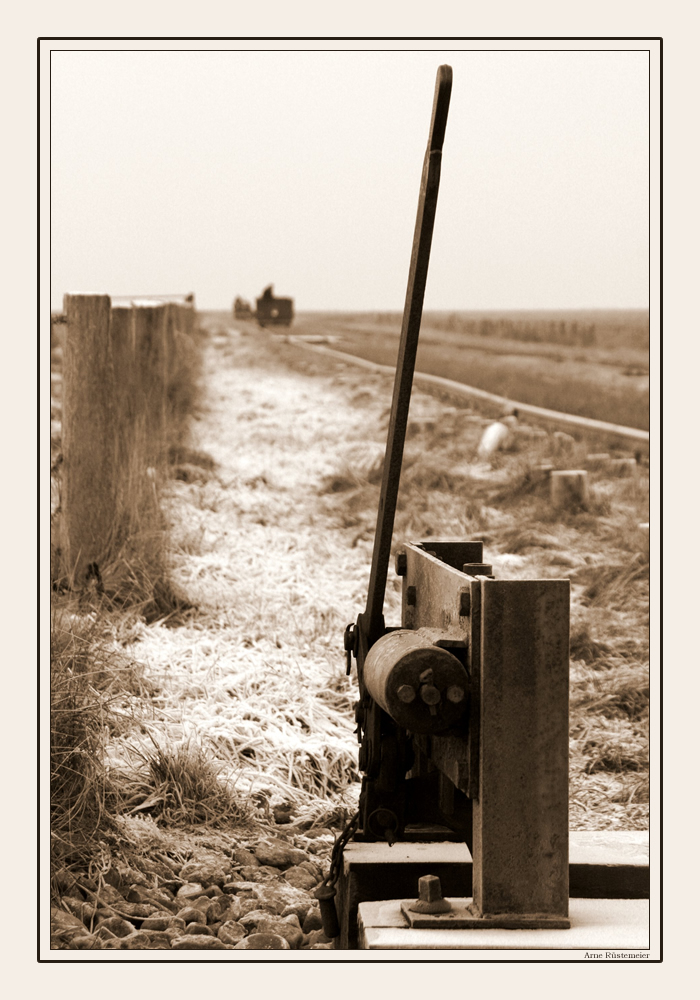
(549, 332)
(604, 328)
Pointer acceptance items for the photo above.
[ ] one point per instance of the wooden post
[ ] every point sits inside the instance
(87, 503)
(569, 488)
(150, 334)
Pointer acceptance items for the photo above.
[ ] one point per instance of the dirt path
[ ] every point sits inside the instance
(257, 674)
(273, 547)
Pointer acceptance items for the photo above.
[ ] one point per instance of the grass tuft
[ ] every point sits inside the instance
(82, 684)
(180, 784)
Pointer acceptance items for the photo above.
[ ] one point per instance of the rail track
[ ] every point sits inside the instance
(614, 435)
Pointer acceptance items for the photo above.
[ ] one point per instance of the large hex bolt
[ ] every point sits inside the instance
(430, 898)
(430, 695)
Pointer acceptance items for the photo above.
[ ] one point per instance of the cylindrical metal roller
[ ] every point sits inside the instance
(423, 687)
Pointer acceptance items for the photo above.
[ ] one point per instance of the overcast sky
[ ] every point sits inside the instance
(220, 172)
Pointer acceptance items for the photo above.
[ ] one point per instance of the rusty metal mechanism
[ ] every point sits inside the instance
(462, 718)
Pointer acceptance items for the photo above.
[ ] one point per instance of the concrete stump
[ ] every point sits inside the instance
(644, 539)
(569, 488)
(625, 468)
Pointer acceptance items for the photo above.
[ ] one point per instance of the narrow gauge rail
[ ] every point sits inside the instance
(614, 434)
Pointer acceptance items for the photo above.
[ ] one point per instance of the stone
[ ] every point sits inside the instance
(156, 922)
(88, 942)
(313, 867)
(190, 890)
(262, 942)
(282, 813)
(198, 928)
(85, 912)
(65, 881)
(301, 879)
(245, 858)
(231, 932)
(104, 933)
(233, 910)
(262, 874)
(290, 931)
(130, 876)
(198, 942)
(276, 896)
(218, 906)
(202, 903)
(161, 898)
(191, 914)
(317, 937)
(141, 940)
(163, 871)
(173, 886)
(251, 919)
(298, 856)
(299, 908)
(112, 878)
(252, 905)
(138, 911)
(114, 944)
(273, 853)
(312, 921)
(282, 894)
(118, 926)
(206, 872)
(241, 889)
(213, 890)
(108, 895)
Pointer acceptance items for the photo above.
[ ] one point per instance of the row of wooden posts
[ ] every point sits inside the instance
(122, 360)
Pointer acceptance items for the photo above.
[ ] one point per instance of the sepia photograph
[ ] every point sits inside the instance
(354, 366)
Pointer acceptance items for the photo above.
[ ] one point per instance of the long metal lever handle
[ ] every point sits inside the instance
(408, 346)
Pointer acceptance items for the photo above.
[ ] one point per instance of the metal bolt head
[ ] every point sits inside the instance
(430, 694)
(406, 693)
(455, 694)
(401, 564)
(429, 888)
(430, 899)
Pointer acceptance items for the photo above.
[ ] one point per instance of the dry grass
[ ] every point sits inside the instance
(240, 705)
(83, 675)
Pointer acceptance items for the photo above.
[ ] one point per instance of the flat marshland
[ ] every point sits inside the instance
(591, 363)
(230, 711)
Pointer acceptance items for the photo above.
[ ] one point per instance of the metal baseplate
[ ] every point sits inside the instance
(464, 916)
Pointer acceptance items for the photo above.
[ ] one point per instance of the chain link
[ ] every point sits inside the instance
(338, 848)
